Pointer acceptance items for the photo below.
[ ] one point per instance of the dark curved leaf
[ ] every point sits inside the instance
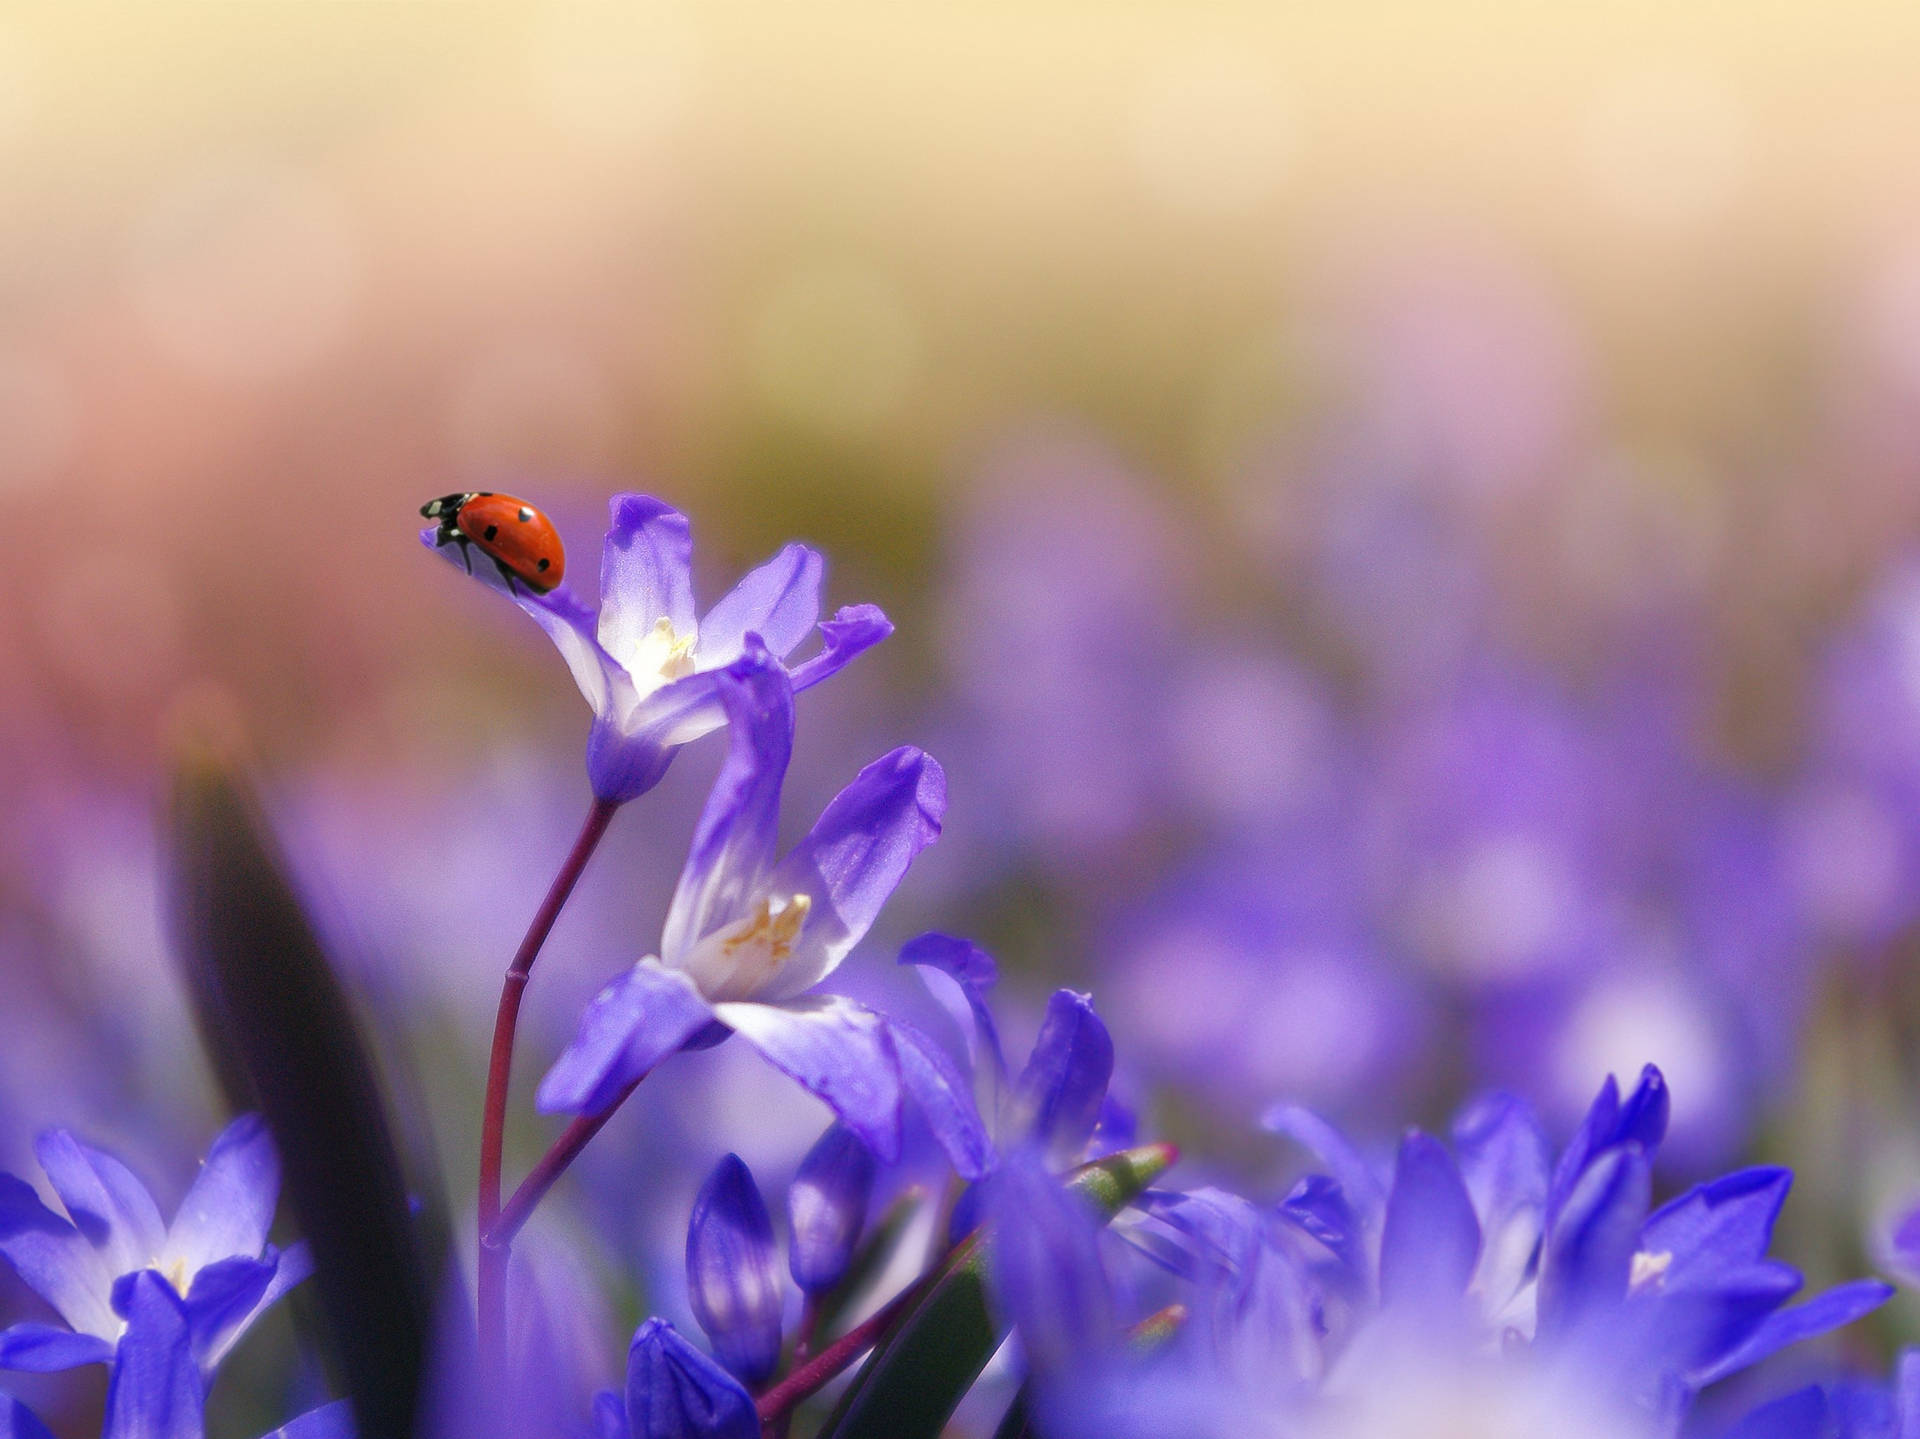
(283, 1040)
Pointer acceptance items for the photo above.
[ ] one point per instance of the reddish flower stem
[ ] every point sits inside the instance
(809, 1328)
(517, 1210)
(492, 1276)
(812, 1375)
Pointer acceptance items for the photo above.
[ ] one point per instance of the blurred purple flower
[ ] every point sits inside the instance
(1476, 1280)
(1397, 575)
(1254, 740)
(1686, 945)
(1257, 969)
(410, 889)
(1047, 1267)
(214, 1260)
(1060, 1096)
(1464, 362)
(1062, 619)
(1845, 1410)
(648, 669)
(1456, 383)
(1494, 821)
(1854, 825)
(1647, 1001)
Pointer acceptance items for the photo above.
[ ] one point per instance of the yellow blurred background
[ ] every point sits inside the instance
(274, 273)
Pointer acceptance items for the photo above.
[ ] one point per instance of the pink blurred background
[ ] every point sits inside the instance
(273, 274)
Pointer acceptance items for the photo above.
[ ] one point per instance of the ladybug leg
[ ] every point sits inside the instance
(466, 550)
(507, 575)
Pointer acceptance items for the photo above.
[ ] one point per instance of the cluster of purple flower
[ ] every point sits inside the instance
(1388, 827)
(1481, 1288)
(1486, 1290)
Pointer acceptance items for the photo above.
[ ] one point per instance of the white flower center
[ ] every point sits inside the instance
(660, 657)
(738, 960)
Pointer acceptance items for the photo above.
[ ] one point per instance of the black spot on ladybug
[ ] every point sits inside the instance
(525, 516)
(492, 530)
(545, 565)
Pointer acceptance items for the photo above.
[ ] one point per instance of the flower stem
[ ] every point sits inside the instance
(781, 1426)
(812, 1375)
(492, 1276)
(809, 1328)
(512, 1215)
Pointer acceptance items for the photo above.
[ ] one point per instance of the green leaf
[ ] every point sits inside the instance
(919, 1373)
(282, 1036)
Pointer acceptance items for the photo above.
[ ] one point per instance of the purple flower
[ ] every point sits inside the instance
(750, 934)
(1056, 1102)
(1258, 969)
(1498, 827)
(1046, 1264)
(1061, 620)
(1852, 836)
(732, 1282)
(1850, 1410)
(674, 1392)
(19, 1422)
(648, 669)
(214, 1261)
(158, 1389)
(1058, 1099)
(1677, 1299)
(827, 1208)
(1471, 1279)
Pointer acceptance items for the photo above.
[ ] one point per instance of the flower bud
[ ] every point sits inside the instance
(676, 1392)
(731, 1280)
(1058, 1098)
(827, 1208)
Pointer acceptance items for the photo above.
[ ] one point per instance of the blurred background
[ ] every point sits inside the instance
(1401, 520)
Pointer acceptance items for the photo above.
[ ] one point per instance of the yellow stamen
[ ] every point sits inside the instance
(774, 929)
(1648, 1270)
(677, 650)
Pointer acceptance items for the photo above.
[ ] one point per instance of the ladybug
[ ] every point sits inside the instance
(521, 542)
